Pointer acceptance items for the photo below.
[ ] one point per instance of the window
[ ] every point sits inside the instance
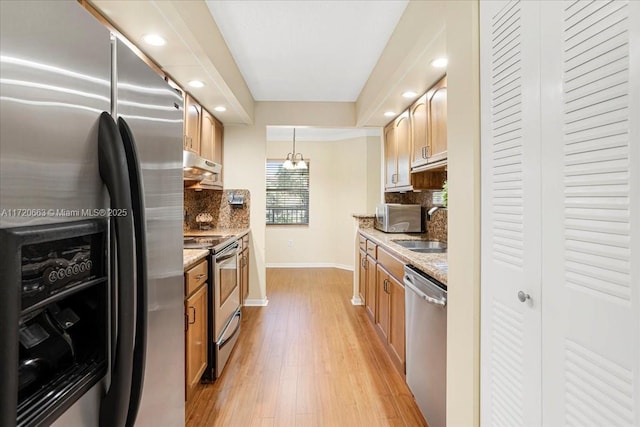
(287, 194)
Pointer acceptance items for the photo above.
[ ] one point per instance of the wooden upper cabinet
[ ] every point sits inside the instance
(211, 138)
(437, 99)
(418, 117)
(207, 136)
(192, 123)
(397, 154)
(403, 150)
(390, 158)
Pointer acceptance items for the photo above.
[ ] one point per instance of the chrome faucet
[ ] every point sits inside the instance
(431, 211)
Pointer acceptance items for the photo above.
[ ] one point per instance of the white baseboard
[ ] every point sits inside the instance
(256, 302)
(309, 265)
(357, 301)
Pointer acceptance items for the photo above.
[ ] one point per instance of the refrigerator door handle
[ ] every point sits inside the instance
(138, 213)
(112, 164)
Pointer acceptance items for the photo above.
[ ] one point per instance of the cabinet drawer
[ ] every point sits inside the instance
(371, 248)
(195, 277)
(391, 264)
(362, 242)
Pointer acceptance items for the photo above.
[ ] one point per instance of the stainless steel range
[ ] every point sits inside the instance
(224, 301)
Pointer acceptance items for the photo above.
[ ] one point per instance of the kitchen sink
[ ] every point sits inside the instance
(423, 246)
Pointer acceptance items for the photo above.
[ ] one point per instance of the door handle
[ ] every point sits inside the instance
(194, 315)
(523, 297)
(200, 276)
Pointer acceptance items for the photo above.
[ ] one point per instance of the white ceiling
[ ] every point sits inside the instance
(306, 50)
(285, 133)
(197, 49)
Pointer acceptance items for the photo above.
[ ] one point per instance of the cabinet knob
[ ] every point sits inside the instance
(523, 297)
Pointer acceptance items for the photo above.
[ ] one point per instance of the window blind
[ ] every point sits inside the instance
(287, 194)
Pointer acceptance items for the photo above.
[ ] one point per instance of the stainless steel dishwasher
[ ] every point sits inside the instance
(426, 341)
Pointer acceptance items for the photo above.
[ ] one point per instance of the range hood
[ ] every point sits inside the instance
(200, 173)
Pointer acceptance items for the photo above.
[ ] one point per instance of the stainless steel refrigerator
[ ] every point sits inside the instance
(91, 137)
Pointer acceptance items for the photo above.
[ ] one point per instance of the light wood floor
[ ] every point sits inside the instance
(309, 358)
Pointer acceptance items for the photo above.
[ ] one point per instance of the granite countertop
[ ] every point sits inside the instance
(358, 215)
(238, 232)
(190, 257)
(434, 264)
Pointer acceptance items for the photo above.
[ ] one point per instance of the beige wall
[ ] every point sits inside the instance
(340, 184)
(463, 138)
(245, 149)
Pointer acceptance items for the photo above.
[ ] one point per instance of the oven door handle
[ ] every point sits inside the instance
(224, 341)
(227, 253)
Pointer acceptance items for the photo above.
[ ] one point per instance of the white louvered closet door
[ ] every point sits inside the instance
(591, 213)
(510, 329)
(564, 224)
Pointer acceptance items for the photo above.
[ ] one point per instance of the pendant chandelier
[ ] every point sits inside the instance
(294, 160)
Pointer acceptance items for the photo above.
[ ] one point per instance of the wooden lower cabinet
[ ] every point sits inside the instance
(380, 285)
(362, 278)
(396, 322)
(370, 296)
(382, 314)
(244, 274)
(195, 338)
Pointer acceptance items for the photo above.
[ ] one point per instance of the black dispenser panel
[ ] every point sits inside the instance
(55, 293)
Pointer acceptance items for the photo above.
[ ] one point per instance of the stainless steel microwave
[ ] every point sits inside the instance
(397, 218)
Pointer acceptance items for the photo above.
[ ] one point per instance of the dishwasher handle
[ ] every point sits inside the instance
(409, 283)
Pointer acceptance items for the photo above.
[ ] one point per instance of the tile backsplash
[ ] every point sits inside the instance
(437, 227)
(216, 203)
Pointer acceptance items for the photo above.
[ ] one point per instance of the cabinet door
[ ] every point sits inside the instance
(418, 121)
(437, 145)
(370, 293)
(396, 321)
(403, 150)
(218, 148)
(510, 217)
(362, 282)
(192, 119)
(244, 275)
(207, 136)
(196, 338)
(390, 156)
(382, 314)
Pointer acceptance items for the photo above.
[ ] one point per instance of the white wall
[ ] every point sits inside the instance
(341, 183)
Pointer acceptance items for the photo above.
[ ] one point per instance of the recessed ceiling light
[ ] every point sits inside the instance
(154, 40)
(439, 63)
(220, 108)
(196, 83)
(389, 113)
(409, 94)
